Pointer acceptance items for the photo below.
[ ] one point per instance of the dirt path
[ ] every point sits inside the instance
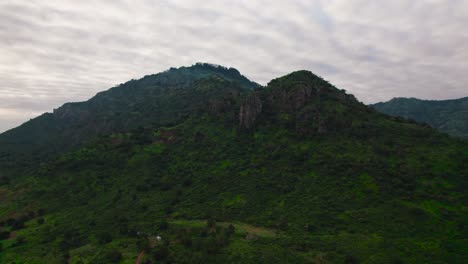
(140, 256)
(152, 244)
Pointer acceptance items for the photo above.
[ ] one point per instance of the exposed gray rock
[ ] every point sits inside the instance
(250, 108)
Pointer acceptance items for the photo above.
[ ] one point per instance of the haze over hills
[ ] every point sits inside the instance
(227, 171)
(449, 116)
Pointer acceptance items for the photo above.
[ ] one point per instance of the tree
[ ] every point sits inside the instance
(4, 180)
(163, 225)
(143, 243)
(4, 235)
(104, 238)
(114, 256)
(160, 252)
(349, 259)
(231, 229)
(211, 223)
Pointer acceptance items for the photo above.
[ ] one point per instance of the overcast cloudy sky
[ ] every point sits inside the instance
(56, 51)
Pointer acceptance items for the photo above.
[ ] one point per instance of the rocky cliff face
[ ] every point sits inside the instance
(301, 100)
(250, 108)
(72, 112)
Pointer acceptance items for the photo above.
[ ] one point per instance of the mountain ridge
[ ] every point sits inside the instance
(449, 116)
(154, 100)
(121, 108)
(298, 171)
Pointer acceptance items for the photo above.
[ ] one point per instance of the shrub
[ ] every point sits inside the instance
(143, 243)
(20, 240)
(349, 259)
(104, 238)
(211, 223)
(4, 235)
(231, 229)
(4, 180)
(114, 256)
(163, 225)
(160, 252)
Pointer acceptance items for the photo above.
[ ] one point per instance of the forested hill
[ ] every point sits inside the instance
(225, 171)
(449, 116)
(155, 100)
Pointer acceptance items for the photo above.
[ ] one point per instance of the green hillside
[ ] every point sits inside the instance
(160, 99)
(448, 116)
(294, 172)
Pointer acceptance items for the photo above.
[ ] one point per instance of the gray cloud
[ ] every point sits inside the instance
(56, 51)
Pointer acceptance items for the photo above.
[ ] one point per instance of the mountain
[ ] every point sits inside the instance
(295, 172)
(155, 100)
(448, 116)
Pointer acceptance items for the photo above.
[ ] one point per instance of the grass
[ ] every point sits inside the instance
(241, 228)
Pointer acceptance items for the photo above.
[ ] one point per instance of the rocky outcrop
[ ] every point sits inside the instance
(67, 111)
(223, 104)
(250, 108)
(292, 99)
(305, 102)
(71, 112)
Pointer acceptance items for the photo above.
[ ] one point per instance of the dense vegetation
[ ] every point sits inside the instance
(449, 116)
(295, 172)
(155, 100)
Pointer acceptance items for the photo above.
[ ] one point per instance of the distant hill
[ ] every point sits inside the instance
(449, 116)
(200, 165)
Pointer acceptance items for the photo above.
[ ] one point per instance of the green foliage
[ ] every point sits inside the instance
(449, 116)
(104, 237)
(114, 256)
(143, 243)
(155, 100)
(160, 252)
(319, 178)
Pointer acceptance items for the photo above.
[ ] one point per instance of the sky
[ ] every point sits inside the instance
(58, 51)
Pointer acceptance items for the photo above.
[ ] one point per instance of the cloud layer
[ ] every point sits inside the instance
(56, 51)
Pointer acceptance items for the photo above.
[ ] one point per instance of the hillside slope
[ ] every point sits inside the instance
(449, 116)
(155, 100)
(295, 172)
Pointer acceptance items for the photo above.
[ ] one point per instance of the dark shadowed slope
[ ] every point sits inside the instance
(449, 116)
(155, 100)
